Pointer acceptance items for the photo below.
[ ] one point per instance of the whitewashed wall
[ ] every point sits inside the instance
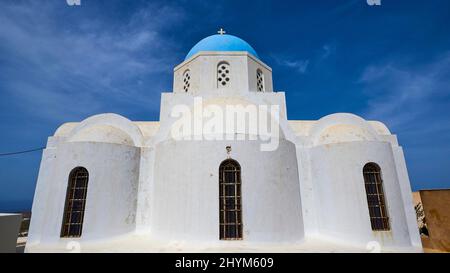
(111, 196)
(144, 183)
(340, 195)
(186, 193)
(203, 70)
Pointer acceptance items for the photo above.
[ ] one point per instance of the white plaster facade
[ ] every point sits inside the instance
(148, 192)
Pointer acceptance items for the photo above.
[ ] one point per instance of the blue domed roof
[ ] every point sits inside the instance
(221, 42)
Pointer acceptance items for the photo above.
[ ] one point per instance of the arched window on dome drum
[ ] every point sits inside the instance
(75, 203)
(259, 80)
(375, 197)
(230, 200)
(186, 80)
(223, 74)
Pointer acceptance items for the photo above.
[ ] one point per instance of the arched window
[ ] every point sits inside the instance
(186, 80)
(259, 81)
(230, 200)
(223, 74)
(75, 203)
(375, 197)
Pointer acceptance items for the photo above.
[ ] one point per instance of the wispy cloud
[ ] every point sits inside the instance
(299, 66)
(326, 51)
(302, 66)
(400, 95)
(415, 104)
(57, 69)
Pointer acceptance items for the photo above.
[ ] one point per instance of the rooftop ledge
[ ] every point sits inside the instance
(222, 53)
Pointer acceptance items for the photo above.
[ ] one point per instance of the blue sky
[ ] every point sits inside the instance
(60, 63)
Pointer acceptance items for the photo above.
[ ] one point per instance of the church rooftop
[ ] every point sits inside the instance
(221, 42)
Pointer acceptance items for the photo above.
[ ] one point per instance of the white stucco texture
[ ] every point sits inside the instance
(149, 192)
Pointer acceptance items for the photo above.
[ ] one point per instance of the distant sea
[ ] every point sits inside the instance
(15, 206)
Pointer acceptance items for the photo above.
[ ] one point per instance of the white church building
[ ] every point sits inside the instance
(223, 170)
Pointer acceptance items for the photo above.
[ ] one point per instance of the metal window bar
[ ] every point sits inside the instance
(230, 200)
(186, 81)
(375, 198)
(259, 81)
(75, 203)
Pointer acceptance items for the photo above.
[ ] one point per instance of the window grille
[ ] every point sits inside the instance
(75, 203)
(375, 197)
(259, 81)
(230, 200)
(223, 74)
(186, 80)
